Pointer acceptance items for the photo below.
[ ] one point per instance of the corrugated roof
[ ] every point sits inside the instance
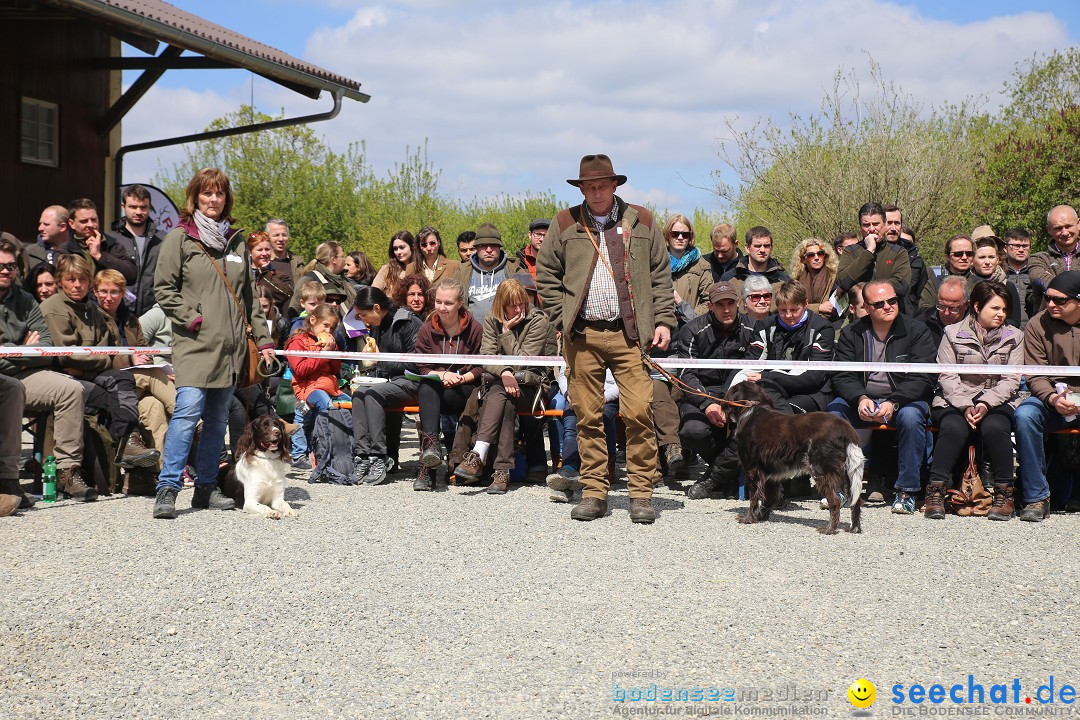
(164, 22)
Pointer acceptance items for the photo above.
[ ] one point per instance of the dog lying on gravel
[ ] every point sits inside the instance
(256, 481)
(774, 447)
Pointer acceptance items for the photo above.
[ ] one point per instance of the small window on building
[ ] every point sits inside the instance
(40, 132)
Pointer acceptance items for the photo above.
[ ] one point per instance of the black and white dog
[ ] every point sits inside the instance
(256, 481)
(774, 447)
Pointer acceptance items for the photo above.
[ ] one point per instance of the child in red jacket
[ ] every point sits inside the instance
(315, 380)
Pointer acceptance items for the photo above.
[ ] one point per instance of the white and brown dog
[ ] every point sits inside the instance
(256, 481)
(774, 447)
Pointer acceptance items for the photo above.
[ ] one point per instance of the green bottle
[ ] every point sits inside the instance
(48, 480)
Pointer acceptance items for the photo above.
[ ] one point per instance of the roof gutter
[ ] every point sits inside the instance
(118, 159)
(291, 77)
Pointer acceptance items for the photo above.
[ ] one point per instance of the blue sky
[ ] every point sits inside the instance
(509, 97)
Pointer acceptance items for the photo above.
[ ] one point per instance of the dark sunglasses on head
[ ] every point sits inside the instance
(962, 253)
(816, 253)
(681, 234)
(882, 303)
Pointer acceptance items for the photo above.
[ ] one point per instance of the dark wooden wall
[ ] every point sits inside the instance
(51, 58)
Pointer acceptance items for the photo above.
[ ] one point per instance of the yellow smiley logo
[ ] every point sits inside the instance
(862, 693)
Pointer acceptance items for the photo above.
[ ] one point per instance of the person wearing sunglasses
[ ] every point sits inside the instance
(757, 298)
(874, 257)
(1050, 339)
(814, 263)
(870, 398)
(1059, 256)
(959, 259)
(691, 278)
(951, 308)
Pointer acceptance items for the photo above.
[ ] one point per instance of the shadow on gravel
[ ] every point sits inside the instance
(293, 494)
(660, 504)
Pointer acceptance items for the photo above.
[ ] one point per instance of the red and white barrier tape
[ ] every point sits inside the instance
(39, 351)
(676, 362)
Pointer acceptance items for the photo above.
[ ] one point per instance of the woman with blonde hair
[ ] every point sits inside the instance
(154, 389)
(691, 275)
(814, 264)
(326, 269)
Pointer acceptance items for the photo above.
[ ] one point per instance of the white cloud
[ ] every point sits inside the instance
(510, 96)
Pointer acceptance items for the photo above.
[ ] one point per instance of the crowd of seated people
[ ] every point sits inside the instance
(864, 296)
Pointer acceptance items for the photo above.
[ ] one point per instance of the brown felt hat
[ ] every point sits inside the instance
(596, 167)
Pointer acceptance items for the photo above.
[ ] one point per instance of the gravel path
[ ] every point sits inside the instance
(379, 602)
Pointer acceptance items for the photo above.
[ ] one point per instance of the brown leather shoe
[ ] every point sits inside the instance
(70, 482)
(589, 508)
(935, 501)
(9, 505)
(1036, 511)
(14, 487)
(641, 511)
(470, 469)
(1003, 506)
(499, 482)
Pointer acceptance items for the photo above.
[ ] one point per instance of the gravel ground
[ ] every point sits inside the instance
(382, 602)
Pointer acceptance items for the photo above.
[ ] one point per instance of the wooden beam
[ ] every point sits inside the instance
(138, 88)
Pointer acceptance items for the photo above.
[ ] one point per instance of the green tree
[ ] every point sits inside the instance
(288, 172)
(1030, 163)
(808, 179)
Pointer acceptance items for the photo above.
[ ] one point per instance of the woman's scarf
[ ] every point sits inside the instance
(817, 285)
(212, 234)
(689, 258)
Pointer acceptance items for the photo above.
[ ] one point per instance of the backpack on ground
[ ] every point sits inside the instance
(332, 444)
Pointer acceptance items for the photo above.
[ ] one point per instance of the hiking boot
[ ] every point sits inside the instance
(69, 481)
(135, 454)
(423, 482)
(676, 463)
(9, 505)
(499, 482)
(1004, 505)
(1036, 511)
(470, 469)
(377, 471)
(565, 479)
(209, 497)
(935, 501)
(165, 503)
(903, 503)
(560, 496)
(641, 510)
(14, 487)
(361, 467)
(703, 488)
(589, 508)
(430, 456)
(301, 463)
(537, 474)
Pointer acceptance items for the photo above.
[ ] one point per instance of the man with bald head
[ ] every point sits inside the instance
(1060, 256)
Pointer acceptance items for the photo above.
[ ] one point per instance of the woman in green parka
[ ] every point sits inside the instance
(209, 338)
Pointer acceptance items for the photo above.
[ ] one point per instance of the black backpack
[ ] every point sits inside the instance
(332, 443)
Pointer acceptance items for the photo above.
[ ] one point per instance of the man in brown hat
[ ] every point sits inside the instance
(604, 278)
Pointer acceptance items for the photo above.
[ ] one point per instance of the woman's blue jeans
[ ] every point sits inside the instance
(211, 405)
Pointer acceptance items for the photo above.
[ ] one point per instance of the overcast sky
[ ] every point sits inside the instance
(510, 96)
